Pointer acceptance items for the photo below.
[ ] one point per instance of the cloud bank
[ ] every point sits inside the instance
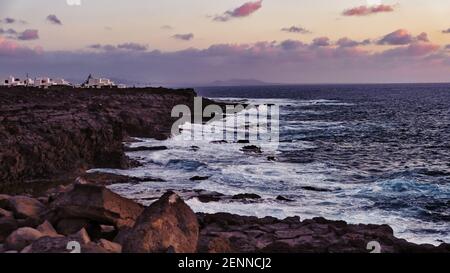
(406, 58)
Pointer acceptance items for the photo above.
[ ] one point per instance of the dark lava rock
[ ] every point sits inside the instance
(106, 179)
(219, 142)
(246, 196)
(199, 178)
(308, 188)
(252, 149)
(194, 148)
(145, 148)
(282, 198)
(96, 204)
(318, 235)
(243, 141)
(168, 225)
(271, 158)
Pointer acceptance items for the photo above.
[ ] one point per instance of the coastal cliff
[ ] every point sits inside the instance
(48, 134)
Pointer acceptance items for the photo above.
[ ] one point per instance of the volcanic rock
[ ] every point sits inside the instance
(167, 225)
(96, 204)
(22, 237)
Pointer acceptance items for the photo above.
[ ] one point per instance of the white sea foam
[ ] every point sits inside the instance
(232, 171)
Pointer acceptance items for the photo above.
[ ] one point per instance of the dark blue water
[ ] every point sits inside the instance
(361, 153)
(399, 134)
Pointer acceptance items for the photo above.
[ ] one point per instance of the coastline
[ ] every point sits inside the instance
(56, 135)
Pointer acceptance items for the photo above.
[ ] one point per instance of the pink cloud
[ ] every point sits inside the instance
(368, 10)
(243, 11)
(11, 48)
(416, 49)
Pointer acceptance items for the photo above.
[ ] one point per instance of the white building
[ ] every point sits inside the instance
(46, 82)
(13, 81)
(92, 82)
(62, 82)
(43, 82)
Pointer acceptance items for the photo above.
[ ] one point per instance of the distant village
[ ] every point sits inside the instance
(46, 82)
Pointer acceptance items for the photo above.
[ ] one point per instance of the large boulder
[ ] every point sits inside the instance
(96, 204)
(168, 225)
(22, 237)
(25, 207)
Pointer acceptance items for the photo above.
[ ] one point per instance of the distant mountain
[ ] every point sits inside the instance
(241, 82)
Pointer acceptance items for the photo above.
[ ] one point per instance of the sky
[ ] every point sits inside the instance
(201, 41)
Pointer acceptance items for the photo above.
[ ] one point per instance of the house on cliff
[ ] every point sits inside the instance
(41, 82)
(92, 82)
(11, 81)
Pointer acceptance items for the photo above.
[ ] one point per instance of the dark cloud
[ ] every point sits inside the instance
(295, 29)
(291, 44)
(402, 37)
(133, 46)
(8, 32)
(184, 37)
(9, 21)
(29, 34)
(290, 61)
(446, 31)
(243, 11)
(368, 10)
(321, 41)
(124, 46)
(347, 42)
(53, 19)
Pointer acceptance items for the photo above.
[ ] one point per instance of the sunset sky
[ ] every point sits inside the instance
(200, 41)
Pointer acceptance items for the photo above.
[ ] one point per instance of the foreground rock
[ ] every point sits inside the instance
(92, 203)
(318, 235)
(99, 221)
(168, 225)
(22, 237)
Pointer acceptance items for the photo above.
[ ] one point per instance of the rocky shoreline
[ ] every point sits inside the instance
(101, 221)
(49, 138)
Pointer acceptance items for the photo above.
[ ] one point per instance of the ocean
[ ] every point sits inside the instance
(375, 154)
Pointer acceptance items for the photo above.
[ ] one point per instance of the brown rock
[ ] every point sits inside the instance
(69, 226)
(215, 245)
(47, 230)
(26, 207)
(167, 225)
(81, 236)
(110, 246)
(95, 203)
(61, 245)
(22, 237)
